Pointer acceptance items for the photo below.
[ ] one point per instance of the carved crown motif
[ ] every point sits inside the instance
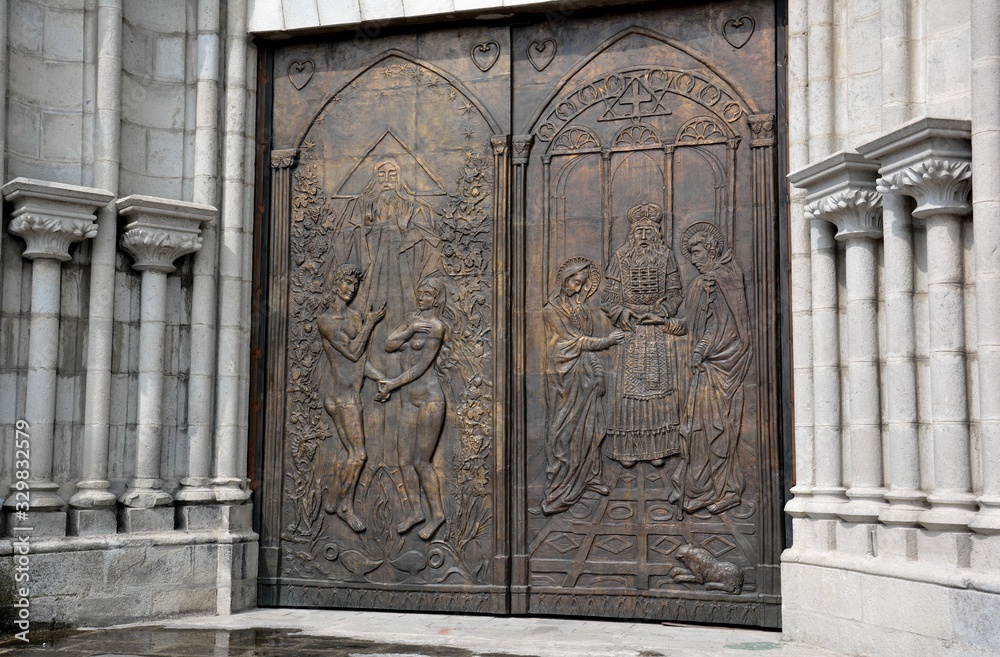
(645, 213)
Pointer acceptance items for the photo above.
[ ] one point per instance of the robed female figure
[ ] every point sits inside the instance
(574, 386)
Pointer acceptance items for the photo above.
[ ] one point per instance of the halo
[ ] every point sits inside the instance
(579, 263)
(698, 227)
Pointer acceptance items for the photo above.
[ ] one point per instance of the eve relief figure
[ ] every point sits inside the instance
(721, 354)
(641, 297)
(345, 333)
(574, 387)
(419, 341)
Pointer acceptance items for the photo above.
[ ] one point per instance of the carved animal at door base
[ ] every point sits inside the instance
(700, 567)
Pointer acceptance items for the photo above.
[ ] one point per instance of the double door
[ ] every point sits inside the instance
(519, 315)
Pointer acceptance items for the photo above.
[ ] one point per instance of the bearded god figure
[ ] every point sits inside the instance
(390, 234)
(641, 297)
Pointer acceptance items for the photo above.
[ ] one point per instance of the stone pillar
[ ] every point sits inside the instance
(930, 160)
(93, 505)
(828, 492)
(986, 206)
(841, 191)
(49, 217)
(904, 495)
(160, 231)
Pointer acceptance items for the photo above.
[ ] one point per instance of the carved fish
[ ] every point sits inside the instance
(359, 563)
(411, 562)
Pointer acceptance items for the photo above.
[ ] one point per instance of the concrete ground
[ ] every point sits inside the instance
(312, 633)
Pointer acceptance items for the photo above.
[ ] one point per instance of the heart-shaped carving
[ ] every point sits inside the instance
(738, 31)
(541, 53)
(300, 73)
(485, 55)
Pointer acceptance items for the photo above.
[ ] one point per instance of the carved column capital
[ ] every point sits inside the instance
(284, 158)
(52, 216)
(940, 186)
(499, 144)
(762, 128)
(855, 212)
(161, 230)
(928, 159)
(522, 148)
(841, 189)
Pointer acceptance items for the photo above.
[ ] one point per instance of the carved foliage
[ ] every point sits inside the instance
(50, 237)
(855, 212)
(938, 185)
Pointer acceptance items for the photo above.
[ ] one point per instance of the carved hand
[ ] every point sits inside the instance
(626, 320)
(675, 327)
(375, 316)
(616, 337)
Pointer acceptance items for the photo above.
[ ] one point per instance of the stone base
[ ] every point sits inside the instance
(215, 517)
(862, 613)
(135, 521)
(92, 522)
(38, 524)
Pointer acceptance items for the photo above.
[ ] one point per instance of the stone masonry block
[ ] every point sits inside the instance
(162, 17)
(832, 592)
(61, 136)
(63, 35)
(42, 524)
(24, 28)
(137, 51)
(974, 616)
(854, 538)
(187, 601)
(161, 566)
(92, 522)
(63, 86)
(300, 14)
(166, 154)
(107, 608)
(200, 517)
(423, 7)
(381, 9)
(170, 60)
(67, 573)
(911, 607)
(346, 11)
(136, 521)
(23, 128)
(153, 104)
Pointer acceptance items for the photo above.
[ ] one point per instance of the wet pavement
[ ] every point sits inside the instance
(312, 633)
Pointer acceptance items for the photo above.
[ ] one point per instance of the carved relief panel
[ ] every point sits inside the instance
(382, 344)
(520, 319)
(650, 442)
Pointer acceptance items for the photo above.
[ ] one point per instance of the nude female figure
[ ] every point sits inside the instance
(418, 340)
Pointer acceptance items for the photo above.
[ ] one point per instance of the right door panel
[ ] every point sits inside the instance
(645, 174)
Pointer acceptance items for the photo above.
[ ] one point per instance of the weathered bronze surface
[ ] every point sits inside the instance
(521, 319)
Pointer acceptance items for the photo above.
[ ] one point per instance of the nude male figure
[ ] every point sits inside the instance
(345, 333)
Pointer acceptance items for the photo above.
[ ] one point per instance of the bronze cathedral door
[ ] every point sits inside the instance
(518, 318)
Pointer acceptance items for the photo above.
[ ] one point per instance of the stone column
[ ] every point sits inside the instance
(930, 160)
(49, 217)
(986, 205)
(160, 231)
(93, 505)
(841, 190)
(906, 500)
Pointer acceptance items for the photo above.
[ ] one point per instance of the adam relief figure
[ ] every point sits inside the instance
(345, 333)
(641, 297)
(419, 339)
(721, 355)
(575, 386)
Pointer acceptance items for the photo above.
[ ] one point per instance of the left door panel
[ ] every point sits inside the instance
(383, 481)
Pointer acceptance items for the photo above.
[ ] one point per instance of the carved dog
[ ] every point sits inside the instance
(700, 567)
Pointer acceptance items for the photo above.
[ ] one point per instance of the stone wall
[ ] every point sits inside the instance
(135, 99)
(894, 327)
